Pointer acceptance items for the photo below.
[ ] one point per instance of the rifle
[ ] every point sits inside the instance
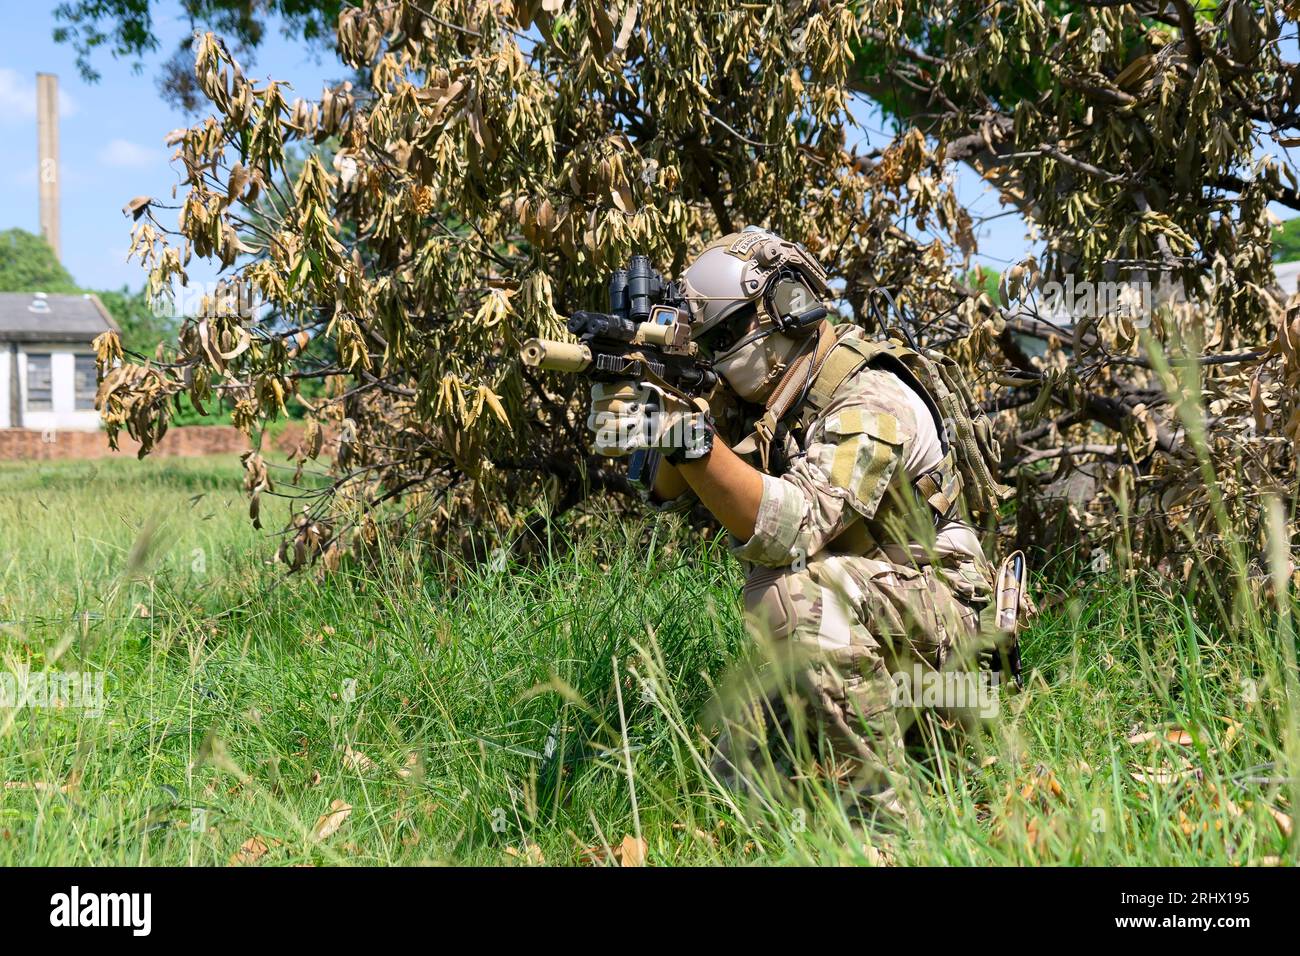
(645, 335)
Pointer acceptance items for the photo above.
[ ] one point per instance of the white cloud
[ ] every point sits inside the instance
(123, 152)
(18, 97)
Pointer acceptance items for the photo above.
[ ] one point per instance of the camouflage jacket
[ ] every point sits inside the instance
(845, 486)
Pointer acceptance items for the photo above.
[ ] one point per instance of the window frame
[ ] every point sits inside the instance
(77, 359)
(29, 401)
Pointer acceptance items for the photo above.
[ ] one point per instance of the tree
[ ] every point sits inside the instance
(1286, 241)
(500, 159)
(126, 29)
(143, 328)
(28, 264)
(1133, 137)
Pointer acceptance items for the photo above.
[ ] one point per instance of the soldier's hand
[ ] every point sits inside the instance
(629, 416)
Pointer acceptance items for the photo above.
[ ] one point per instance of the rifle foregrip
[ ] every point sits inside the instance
(556, 356)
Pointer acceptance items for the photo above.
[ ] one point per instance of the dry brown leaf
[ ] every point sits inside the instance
(1041, 784)
(356, 761)
(1282, 820)
(137, 206)
(698, 833)
(329, 823)
(531, 854)
(631, 852)
(412, 761)
(1204, 826)
(876, 856)
(250, 851)
(1174, 735)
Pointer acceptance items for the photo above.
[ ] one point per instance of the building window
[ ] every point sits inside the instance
(40, 388)
(86, 386)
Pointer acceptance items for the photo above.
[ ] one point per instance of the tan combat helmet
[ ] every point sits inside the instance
(753, 266)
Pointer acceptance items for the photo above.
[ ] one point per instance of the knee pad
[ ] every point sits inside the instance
(769, 606)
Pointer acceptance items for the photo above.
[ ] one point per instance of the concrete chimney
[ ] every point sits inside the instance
(47, 172)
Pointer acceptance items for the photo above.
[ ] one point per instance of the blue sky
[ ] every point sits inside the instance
(110, 135)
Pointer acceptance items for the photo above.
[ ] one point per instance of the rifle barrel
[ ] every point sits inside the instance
(556, 356)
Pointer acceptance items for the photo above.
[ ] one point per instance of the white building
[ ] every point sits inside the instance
(47, 366)
(1288, 275)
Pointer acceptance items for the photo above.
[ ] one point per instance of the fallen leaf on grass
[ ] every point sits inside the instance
(699, 834)
(1042, 784)
(876, 856)
(252, 850)
(1282, 820)
(531, 854)
(1174, 735)
(1185, 824)
(329, 823)
(631, 852)
(356, 761)
(412, 764)
(1230, 735)
(1030, 803)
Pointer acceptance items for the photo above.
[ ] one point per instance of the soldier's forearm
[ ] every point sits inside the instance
(669, 483)
(728, 486)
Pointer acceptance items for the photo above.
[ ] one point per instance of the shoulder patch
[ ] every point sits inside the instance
(864, 450)
(858, 421)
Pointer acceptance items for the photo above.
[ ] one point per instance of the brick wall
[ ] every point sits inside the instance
(29, 444)
(26, 444)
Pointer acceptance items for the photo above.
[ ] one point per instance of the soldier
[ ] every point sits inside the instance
(844, 584)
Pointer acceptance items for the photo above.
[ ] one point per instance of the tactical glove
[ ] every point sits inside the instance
(631, 416)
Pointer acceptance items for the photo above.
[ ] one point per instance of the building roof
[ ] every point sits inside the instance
(37, 317)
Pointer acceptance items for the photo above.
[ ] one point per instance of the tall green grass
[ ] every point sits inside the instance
(546, 712)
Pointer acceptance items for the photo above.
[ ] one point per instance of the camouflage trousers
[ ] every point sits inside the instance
(836, 637)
